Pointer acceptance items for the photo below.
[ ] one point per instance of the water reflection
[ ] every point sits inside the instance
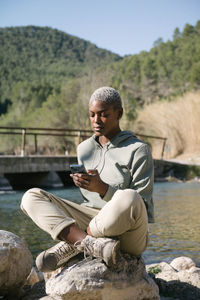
(175, 233)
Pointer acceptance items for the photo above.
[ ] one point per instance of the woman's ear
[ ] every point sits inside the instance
(120, 113)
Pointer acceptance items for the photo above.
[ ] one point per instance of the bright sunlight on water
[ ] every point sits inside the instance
(175, 233)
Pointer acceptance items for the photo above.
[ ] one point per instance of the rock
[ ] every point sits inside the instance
(182, 263)
(34, 277)
(36, 292)
(34, 287)
(15, 263)
(180, 278)
(91, 279)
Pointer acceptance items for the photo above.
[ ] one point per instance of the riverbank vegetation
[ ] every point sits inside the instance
(47, 77)
(178, 120)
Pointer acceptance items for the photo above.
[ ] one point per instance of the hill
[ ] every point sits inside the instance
(42, 56)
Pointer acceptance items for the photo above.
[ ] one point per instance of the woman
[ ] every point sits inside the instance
(117, 193)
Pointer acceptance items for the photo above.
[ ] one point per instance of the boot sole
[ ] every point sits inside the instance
(115, 255)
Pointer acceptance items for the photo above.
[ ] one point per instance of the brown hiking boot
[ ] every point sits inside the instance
(55, 257)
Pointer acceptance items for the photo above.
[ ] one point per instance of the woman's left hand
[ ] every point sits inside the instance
(90, 181)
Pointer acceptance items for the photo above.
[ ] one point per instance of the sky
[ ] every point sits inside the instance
(122, 26)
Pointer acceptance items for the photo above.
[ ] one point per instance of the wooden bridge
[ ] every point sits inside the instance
(79, 134)
(24, 171)
(35, 132)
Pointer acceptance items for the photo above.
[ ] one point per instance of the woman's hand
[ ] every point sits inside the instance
(91, 182)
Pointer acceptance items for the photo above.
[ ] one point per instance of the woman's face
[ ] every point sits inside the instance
(104, 119)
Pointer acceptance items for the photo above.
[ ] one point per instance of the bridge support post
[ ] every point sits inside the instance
(35, 142)
(23, 142)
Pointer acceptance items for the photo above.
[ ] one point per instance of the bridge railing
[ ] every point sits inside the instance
(81, 134)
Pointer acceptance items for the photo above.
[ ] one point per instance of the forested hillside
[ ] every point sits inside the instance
(47, 76)
(40, 58)
(167, 70)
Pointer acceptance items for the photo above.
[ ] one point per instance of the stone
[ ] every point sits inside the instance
(192, 278)
(182, 263)
(34, 277)
(91, 279)
(180, 278)
(15, 263)
(36, 292)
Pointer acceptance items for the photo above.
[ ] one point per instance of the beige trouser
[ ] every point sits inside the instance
(123, 216)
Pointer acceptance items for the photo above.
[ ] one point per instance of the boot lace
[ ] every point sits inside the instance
(64, 249)
(89, 248)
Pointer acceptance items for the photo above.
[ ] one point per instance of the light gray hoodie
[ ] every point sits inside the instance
(124, 162)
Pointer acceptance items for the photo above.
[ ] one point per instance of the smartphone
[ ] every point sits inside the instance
(78, 169)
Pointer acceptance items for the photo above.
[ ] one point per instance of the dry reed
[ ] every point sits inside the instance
(177, 120)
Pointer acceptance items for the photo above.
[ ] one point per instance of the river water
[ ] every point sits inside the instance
(176, 231)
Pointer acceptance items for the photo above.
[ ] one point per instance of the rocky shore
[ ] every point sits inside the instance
(91, 279)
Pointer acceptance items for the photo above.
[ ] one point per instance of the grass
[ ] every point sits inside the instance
(154, 270)
(178, 120)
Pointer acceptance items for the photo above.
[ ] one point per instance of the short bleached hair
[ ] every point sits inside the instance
(107, 95)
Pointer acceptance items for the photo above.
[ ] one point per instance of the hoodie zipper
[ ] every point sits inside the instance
(100, 165)
(102, 159)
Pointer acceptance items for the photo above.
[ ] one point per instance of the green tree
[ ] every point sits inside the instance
(158, 42)
(188, 30)
(176, 34)
(195, 74)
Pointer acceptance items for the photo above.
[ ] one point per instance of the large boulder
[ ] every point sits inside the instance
(15, 263)
(91, 279)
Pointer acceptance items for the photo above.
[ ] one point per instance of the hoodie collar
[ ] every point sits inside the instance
(118, 138)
